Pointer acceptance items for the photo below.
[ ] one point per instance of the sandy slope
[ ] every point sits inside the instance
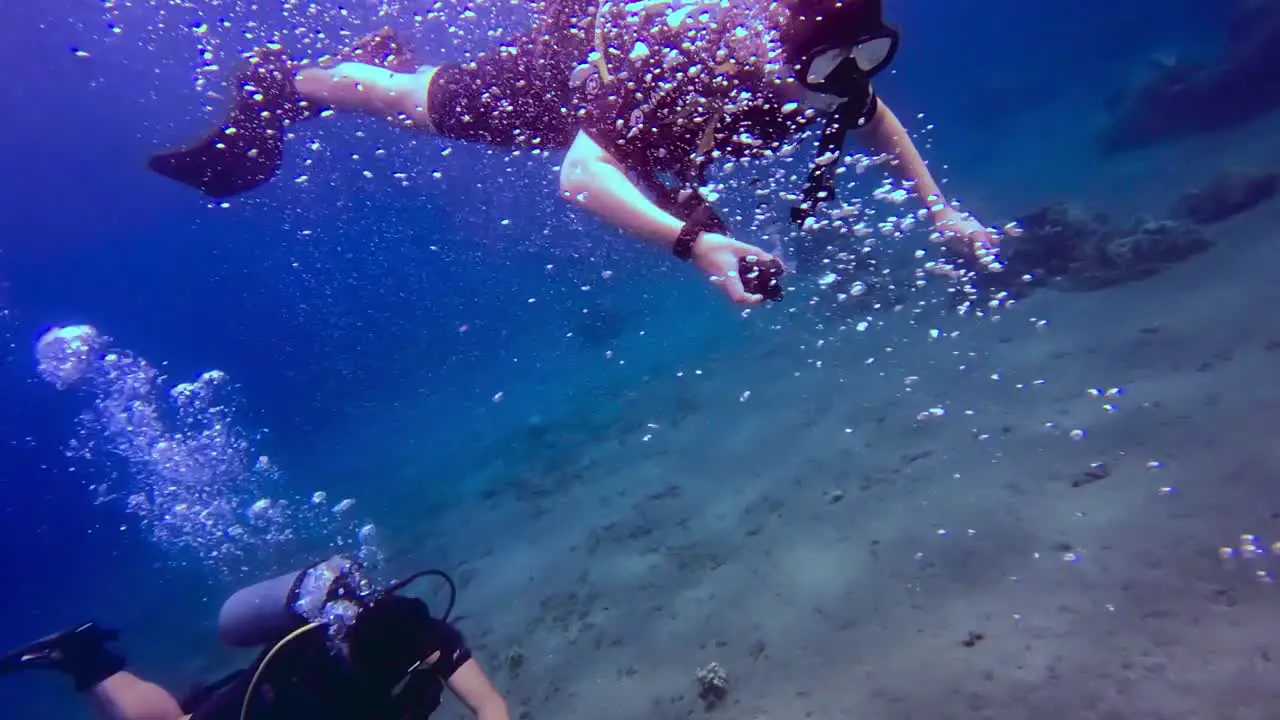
(717, 539)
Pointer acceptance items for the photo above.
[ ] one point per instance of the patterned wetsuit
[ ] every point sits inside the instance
(664, 86)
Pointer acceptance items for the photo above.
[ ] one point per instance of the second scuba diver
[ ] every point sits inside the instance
(334, 648)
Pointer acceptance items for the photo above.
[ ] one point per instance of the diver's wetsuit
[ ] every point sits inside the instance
(518, 95)
(668, 109)
(305, 680)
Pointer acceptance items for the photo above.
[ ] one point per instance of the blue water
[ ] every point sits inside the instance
(368, 327)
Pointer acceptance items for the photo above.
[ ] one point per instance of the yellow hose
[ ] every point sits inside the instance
(257, 675)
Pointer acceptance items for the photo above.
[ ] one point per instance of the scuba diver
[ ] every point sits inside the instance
(335, 647)
(644, 97)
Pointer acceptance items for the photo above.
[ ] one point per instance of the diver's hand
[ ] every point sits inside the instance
(719, 256)
(966, 236)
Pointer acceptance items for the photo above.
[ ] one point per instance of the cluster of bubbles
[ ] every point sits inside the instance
(333, 593)
(874, 250)
(191, 475)
(221, 33)
(1252, 551)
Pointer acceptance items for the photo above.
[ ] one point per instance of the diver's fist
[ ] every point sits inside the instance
(720, 257)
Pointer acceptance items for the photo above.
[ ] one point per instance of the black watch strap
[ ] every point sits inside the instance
(702, 219)
(683, 246)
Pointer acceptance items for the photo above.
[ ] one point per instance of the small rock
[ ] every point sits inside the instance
(713, 685)
(1225, 598)
(515, 661)
(834, 496)
(1097, 471)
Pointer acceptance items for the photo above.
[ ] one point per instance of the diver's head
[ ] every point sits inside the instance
(835, 46)
(396, 637)
(394, 645)
(393, 634)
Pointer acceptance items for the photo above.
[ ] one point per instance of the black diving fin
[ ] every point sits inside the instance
(80, 651)
(247, 150)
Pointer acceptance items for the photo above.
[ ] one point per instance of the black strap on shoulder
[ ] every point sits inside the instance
(822, 186)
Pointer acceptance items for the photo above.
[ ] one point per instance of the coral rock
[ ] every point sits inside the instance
(1226, 196)
(1075, 249)
(1173, 100)
(713, 684)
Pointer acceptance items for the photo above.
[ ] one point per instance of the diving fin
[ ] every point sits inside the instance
(247, 150)
(243, 154)
(80, 652)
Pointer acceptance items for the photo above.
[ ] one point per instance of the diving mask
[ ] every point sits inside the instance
(840, 70)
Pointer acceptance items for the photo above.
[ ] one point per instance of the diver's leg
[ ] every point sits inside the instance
(376, 75)
(247, 150)
(503, 99)
(354, 86)
(125, 696)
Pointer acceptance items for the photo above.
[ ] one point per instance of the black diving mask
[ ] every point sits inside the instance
(840, 70)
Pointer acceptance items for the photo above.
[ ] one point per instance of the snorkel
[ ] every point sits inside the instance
(835, 47)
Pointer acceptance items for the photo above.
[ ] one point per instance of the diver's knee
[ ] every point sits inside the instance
(350, 86)
(417, 99)
(366, 77)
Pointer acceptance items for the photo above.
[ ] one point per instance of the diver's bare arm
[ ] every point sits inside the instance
(885, 134)
(593, 179)
(475, 690)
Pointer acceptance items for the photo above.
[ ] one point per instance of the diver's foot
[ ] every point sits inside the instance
(382, 49)
(267, 87)
(80, 652)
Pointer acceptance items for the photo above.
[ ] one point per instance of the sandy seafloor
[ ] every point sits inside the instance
(717, 538)
(618, 566)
